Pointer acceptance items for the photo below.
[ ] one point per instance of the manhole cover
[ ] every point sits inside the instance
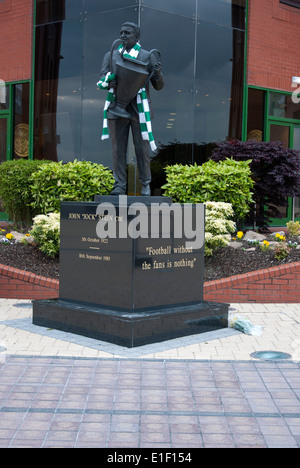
(2, 349)
(270, 355)
(23, 305)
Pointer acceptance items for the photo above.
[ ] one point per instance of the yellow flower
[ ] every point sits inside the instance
(9, 236)
(266, 243)
(240, 234)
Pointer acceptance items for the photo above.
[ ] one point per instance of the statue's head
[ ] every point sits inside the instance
(130, 34)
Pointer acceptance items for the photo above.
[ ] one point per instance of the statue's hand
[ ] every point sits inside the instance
(113, 84)
(157, 67)
(112, 80)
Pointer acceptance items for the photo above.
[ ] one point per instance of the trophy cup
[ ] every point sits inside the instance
(132, 75)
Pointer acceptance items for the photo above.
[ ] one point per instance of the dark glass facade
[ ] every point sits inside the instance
(202, 44)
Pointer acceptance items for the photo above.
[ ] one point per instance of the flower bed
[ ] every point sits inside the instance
(270, 280)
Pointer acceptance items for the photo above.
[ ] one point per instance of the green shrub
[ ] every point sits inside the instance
(228, 181)
(218, 225)
(74, 181)
(15, 191)
(45, 231)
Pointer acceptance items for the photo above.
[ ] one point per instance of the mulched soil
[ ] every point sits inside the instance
(29, 258)
(224, 263)
(230, 262)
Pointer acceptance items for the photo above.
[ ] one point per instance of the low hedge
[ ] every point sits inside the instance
(29, 188)
(227, 181)
(74, 181)
(15, 189)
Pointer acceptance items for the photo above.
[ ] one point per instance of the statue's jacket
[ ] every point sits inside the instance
(156, 79)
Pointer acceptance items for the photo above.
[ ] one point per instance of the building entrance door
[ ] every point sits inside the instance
(289, 135)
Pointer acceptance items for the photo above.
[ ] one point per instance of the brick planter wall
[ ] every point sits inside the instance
(273, 285)
(18, 284)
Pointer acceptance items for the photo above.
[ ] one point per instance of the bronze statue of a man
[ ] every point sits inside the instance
(138, 112)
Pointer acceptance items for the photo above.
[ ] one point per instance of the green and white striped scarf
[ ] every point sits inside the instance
(142, 102)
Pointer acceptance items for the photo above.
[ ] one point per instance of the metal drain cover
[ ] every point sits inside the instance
(271, 355)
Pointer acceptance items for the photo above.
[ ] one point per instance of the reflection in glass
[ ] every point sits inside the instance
(173, 105)
(284, 106)
(223, 12)
(297, 208)
(49, 11)
(296, 144)
(280, 133)
(58, 91)
(219, 83)
(255, 123)
(186, 8)
(21, 121)
(4, 96)
(92, 7)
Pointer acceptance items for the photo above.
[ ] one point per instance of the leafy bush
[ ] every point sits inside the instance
(74, 181)
(275, 169)
(45, 231)
(227, 181)
(15, 191)
(218, 225)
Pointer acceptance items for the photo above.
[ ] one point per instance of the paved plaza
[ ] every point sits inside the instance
(201, 391)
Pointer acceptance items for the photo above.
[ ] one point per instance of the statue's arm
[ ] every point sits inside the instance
(105, 68)
(107, 78)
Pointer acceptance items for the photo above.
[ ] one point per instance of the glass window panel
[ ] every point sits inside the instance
(4, 96)
(48, 11)
(58, 91)
(95, 6)
(280, 133)
(173, 105)
(296, 144)
(186, 8)
(21, 121)
(3, 139)
(100, 31)
(219, 83)
(297, 208)
(225, 12)
(255, 128)
(284, 106)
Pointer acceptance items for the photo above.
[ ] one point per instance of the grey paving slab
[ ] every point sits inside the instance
(146, 403)
(203, 391)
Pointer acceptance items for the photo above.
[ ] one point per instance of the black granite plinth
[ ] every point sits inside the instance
(129, 277)
(127, 329)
